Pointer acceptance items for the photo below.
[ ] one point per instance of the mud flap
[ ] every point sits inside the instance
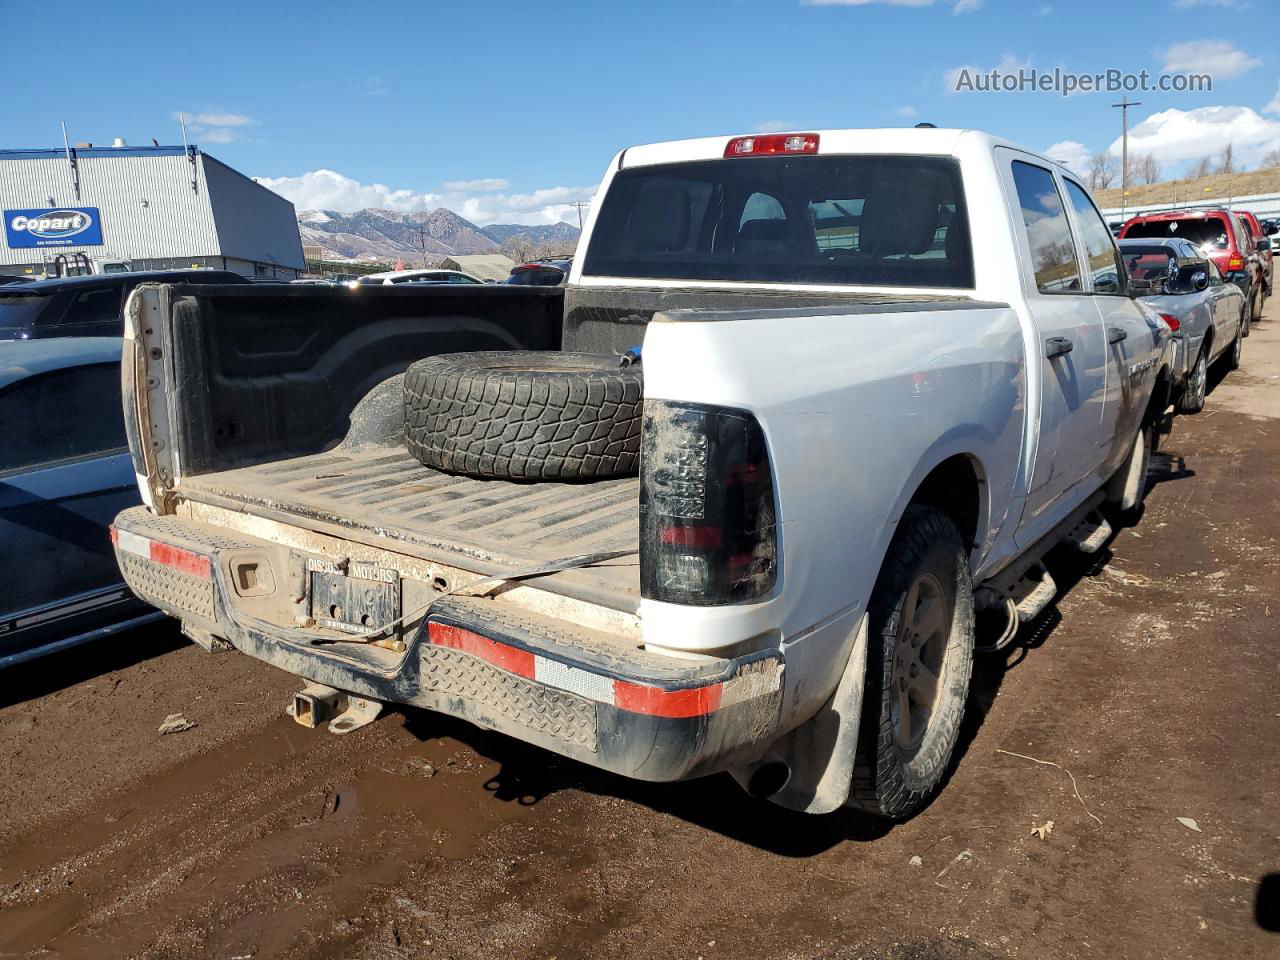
(820, 751)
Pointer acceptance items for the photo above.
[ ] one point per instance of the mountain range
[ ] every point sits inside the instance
(379, 234)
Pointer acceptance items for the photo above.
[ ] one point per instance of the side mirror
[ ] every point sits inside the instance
(1264, 243)
(1199, 280)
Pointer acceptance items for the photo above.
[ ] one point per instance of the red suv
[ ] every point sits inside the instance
(1221, 236)
(1263, 245)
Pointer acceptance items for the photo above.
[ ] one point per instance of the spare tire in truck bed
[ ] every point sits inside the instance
(524, 415)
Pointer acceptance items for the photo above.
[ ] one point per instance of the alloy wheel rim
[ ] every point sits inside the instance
(915, 680)
(1198, 381)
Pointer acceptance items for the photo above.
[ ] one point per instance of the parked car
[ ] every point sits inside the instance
(88, 306)
(416, 276)
(1206, 314)
(1221, 238)
(548, 272)
(864, 407)
(1261, 243)
(65, 472)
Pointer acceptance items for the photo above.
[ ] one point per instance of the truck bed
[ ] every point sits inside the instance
(390, 500)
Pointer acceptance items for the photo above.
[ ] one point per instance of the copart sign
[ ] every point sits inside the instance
(53, 227)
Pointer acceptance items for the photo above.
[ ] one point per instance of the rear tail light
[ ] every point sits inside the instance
(770, 144)
(1170, 320)
(708, 533)
(1235, 262)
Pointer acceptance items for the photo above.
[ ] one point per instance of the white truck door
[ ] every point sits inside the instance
(1129, 337)
(1072, 346)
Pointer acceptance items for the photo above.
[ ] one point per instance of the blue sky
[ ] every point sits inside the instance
(508, 111)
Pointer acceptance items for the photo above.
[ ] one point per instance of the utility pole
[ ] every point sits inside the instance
(1124, 105)
(422, 242)
(580, 204)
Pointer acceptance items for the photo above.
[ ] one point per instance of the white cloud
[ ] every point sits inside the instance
(906, 111)
(1220, 58)
(1071, 153)
(1175, 136)
(1008, 64)
(217, 126)
(966, 6)
(372, 87)
(1187, 4)
(1273, 106)
(330, 190)
(475, 186)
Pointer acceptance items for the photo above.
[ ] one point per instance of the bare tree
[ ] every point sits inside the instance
(1271, 161)
(1103, 169)
(1145, 169)
(1201, 168)
(1227, 159)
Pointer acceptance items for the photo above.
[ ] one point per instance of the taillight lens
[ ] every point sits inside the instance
(1235, 262)
(771, 144)
(1171, 320)
(708, 533)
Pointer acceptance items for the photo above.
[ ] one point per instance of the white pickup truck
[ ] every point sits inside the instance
(874, 375)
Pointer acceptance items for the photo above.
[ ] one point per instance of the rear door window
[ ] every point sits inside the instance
(1053, 252)
(855, 220)
(97, 306)
(18, 314)
(62, 415)
(1099, 247)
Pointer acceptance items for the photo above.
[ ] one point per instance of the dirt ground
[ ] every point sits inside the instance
(1151, 688)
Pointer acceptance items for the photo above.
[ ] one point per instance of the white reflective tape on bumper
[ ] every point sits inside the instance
(133, 543)
(593, 686)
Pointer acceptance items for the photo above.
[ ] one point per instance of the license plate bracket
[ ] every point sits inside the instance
(352, 597)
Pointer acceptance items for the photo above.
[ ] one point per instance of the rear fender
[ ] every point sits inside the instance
(858, 403)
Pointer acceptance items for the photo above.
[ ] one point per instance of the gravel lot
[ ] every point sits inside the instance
(1152, 687)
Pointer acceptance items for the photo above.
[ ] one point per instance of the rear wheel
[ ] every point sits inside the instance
(1231, 359)
(919, 659)
(1192, 399)
(1255, 307)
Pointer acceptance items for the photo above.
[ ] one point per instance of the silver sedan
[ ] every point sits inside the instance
(1205, 312)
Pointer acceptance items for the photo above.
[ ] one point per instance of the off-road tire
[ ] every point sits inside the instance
(1191, 399)
(524, 415)
(888, 780)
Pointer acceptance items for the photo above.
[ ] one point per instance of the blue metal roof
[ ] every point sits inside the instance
(54, 153)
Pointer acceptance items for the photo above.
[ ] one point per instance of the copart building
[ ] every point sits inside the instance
(142, 208)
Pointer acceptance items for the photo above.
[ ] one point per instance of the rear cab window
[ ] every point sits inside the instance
(1207, 233)
(834, 220)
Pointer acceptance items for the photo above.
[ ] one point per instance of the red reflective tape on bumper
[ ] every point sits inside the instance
(195, 564)
(657, 702)
(501, 655)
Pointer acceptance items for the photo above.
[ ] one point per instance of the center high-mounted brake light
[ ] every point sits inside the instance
(772, 144)
(1170, 320)
(707, 529)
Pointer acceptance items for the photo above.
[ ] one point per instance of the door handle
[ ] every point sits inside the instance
(1057, 347)
(1116, 334)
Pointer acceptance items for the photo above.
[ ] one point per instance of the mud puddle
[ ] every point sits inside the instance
(307, 820)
